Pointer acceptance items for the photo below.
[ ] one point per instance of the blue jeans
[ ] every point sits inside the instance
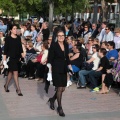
(75, 68)
(94, 75)
(82, 74)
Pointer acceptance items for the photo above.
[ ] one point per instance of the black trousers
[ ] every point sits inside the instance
(30, 68)
(40, 69)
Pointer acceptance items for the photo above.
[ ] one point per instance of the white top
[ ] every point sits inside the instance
(86, 37)
(41, 20)
(117, 42)
(108, 37)
(26, 33)
(37, 45)
(96, 61)
(101, 35)
(44, 56)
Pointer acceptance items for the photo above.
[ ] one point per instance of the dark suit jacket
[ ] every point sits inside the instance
(59, 59)
(95, 33)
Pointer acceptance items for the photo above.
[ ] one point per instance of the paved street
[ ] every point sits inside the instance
(77, 104)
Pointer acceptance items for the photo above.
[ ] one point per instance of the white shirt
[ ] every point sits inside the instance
(44, 56)
(26, 33)
(41, 20)
(117, 42)
(86, 37)
(37, 45)
(101, 35)
(96, 61)
(108, 37)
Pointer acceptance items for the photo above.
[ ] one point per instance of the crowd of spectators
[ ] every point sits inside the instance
(88, 44)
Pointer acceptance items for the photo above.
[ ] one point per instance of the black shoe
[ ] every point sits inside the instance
(19, 94)
(81, 87)
(51, 103)
(60, 112)
(6, 90)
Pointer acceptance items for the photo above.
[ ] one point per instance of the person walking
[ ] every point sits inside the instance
(59, 61)
(12, 50)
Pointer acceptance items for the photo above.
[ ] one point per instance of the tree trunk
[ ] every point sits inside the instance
(51, 8)
(104, 10)
(95, 11)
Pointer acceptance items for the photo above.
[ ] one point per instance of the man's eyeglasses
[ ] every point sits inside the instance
(106, 29)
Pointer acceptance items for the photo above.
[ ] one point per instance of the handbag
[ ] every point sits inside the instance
(87, 66)
(39, 57)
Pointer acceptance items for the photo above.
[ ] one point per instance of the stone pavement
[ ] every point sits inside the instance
(77, 104)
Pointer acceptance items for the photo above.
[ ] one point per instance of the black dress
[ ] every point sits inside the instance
(59, 60)
(13, 50)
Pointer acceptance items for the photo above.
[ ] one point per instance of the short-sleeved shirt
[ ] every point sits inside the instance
(112, 53)
(104, 62)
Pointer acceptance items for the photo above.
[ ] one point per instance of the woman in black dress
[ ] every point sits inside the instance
(13, 50)
(59, 61)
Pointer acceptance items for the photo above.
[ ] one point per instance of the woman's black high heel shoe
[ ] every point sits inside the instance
(51, 103)
(19, 94)
(6, 90)
(60, 112)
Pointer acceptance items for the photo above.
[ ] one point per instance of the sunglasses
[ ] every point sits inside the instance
(85, 27)
(106, 29)
(93, 47)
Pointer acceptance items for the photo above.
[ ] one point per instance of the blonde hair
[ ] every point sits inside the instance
(81, 39)
(117, 30)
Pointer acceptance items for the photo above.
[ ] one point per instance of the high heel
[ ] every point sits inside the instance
(19, 94)
(51, 103)
(6, 90)
(60, 112)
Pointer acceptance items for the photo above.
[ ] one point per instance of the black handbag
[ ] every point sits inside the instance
(87, 66)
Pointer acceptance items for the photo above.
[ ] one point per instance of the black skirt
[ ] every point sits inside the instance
(59, 79)
(13, 65)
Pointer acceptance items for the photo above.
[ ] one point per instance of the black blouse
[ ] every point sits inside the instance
(13, 47)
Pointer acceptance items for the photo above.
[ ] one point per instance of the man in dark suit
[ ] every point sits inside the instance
(94, 30)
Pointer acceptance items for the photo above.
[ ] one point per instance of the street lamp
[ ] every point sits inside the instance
(72, 1)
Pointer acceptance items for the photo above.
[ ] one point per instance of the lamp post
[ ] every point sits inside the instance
(72, 1)
(95, 11)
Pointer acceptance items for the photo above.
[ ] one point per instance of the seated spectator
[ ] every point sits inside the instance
(104, 45)
(89, 47)
(76, 61)
(40, 62)
(49, 41)
(94, 32)
(69, 41)
(86, 34)
(96, 41)
(38, 43)
(100, 72)
(113, 74)
(117, 38)
(27, 28)
(108, 36)
(30, 55)
(81, 40)
(95, 59)
(112, 54)
(68, 32)
(33, 33)
(45, 31)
